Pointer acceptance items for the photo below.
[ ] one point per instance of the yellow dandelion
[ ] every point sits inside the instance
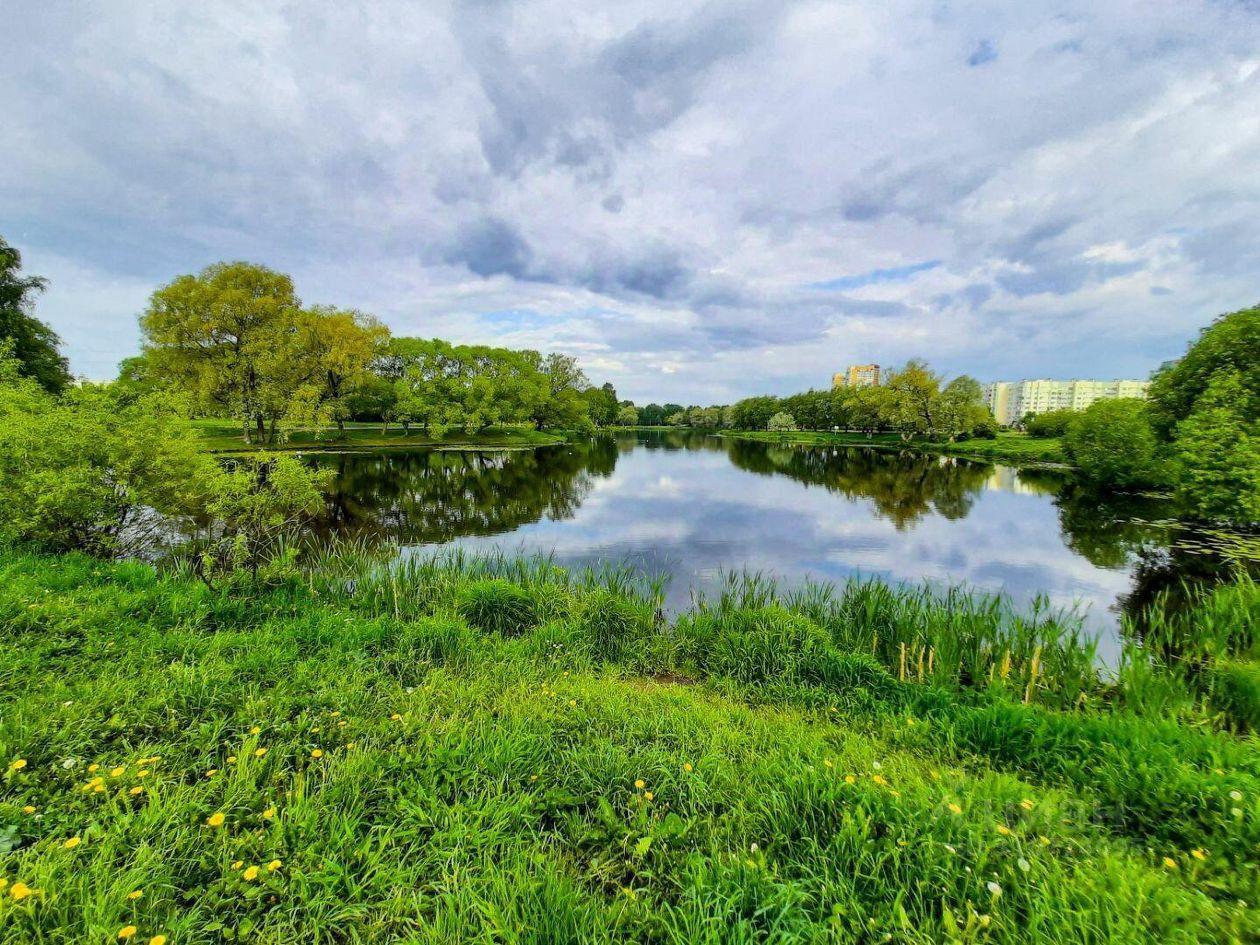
(1170, 863)
(395, 717)
(317, 753)
(827, 762)
(350, 745)
(250, 874)
(212, 772)
(687, 766)
(135, 894)
(1004, 830)
(1026, 803)
(269, 813)
(850, 779)
(158, 940)
(259, 752)
(231, 759)
(72, 842)
(879, 779)
(334, 713)
(955, 808)
(142, 773)
(127, 931)
(237, 864)
(93, 767)
(255, 730)
(28, 809)
(216, 819)
(273, 866)
(1198, 854)
(20, 891)
(648, 795)
(17, 764)
(136, 791)
(98, 788)
(117, 772)
(639, 784)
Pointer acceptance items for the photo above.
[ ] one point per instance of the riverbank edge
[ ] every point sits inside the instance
(1050, 455)
(372, 441)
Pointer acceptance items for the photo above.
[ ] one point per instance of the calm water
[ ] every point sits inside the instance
(692, 506)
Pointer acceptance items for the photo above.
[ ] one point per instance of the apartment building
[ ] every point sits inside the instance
(1010, 401)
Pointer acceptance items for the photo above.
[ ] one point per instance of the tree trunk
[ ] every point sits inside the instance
(260, 429)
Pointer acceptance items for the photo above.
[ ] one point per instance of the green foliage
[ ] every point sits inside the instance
(1113, 444)
(1230, 345)
(1052, 423)
(32, 343)
(497, 606)
(257, 506)
(86, 471)
(781, 423)
(366, 743)
(1216, 454)
(628, 416)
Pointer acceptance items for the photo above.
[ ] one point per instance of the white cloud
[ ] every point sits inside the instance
(655, 187)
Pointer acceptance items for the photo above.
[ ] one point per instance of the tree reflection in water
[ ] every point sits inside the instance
(427, 497)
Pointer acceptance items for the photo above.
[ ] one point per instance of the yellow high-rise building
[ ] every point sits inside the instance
(858, 375)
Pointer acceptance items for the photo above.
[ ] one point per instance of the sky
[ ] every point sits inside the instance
(702, 201)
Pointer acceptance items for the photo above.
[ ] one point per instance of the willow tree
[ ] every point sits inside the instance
(236, 338)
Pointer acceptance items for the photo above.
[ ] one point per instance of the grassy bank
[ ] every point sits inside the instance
(503, 752)
(222, 436)
(1011, 448)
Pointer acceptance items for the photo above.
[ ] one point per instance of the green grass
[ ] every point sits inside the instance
(500, 751)
(225, 436)
(1009, 447)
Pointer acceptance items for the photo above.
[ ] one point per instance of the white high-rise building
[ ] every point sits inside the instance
(1010, 401)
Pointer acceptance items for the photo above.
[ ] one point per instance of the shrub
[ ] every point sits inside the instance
(781, 423)
(84, 471)
(1050, 424)
(985, 428)
(497, 606)
(1216, 455)
(1113, 445)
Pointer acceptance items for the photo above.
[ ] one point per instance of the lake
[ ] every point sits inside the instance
(692, 507)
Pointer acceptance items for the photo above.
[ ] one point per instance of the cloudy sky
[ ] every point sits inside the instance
(702, 201)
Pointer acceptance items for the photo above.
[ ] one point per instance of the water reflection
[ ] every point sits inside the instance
(689, 506)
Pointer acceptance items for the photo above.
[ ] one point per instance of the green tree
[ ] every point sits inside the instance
(32, 343)
(1231, 344)
(229, 336)
(1113, 445)
(603, 405)
(1216, 454)
(90, 471)
(339, 346)
(628, 416)
(960, 408)
(912, 400)
(781, 423)
(564, 406)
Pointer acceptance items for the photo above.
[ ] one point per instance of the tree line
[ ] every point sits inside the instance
(236, 339)
(915, 402)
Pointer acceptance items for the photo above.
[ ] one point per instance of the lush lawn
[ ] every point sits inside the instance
(505, 753)
(1014, 448)
(225, 436)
